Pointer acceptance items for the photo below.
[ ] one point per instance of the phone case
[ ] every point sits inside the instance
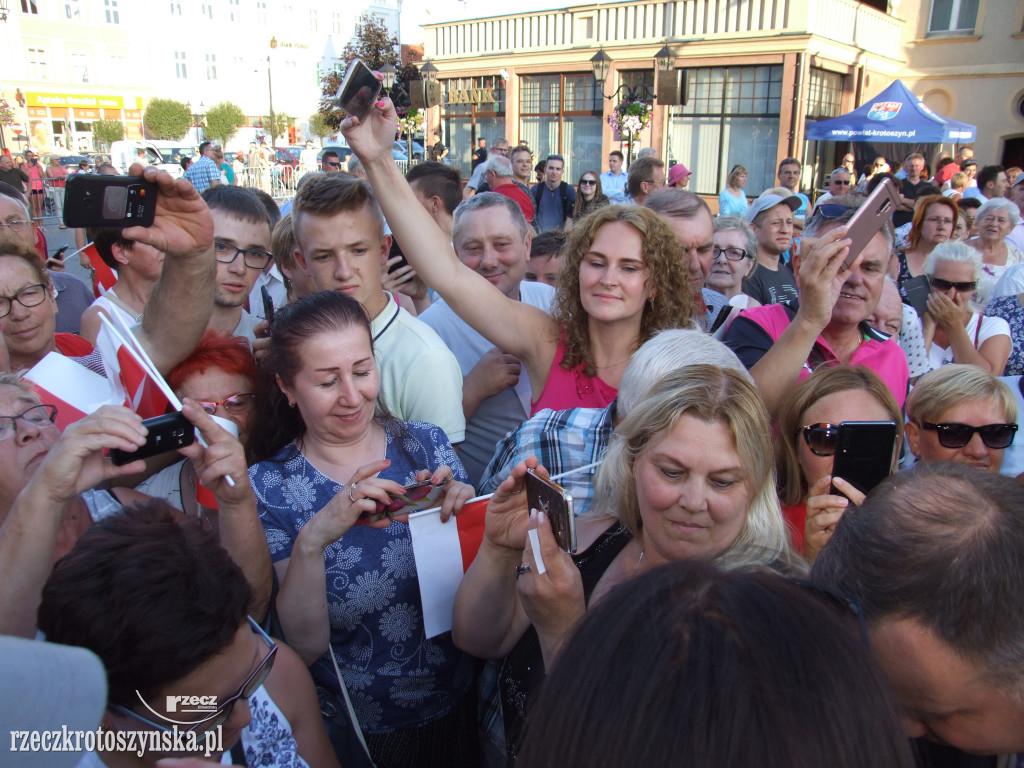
(359, 90)
(916, 291)
(166, 433)
(555, 502)
(870, 217)
(864, 454)
(109, 201)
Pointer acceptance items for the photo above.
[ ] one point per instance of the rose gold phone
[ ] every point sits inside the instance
(870, 217)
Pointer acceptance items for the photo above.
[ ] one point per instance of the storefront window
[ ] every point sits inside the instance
(471, 108)
(731, 116)
(824, 100)
(561, 115)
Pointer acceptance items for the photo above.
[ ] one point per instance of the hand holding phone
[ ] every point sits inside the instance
(870, 218)
(417, 496)
(166, 433)
(268, 306)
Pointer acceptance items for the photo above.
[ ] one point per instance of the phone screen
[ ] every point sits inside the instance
(358, 90)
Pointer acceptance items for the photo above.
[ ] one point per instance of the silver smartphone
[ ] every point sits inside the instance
(359, 90)
(555, 502)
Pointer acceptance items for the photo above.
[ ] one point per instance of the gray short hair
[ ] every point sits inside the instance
(486, 200)
(953, 250)
(999, 204)
(668, 351)
(738, 224)
(499, 166)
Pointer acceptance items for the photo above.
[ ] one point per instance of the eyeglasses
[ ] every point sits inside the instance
(944, 285)
(223, 712)
(821, 438)
(29, 296)
(254, 257)
(588, 182)
(40, 416)
(17, 224)
(732, 254)
(831, 210)
(235, 404)
(954, 435)
(500, 150)
(939, 221)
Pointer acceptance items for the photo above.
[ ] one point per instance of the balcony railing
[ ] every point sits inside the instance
(844, 21)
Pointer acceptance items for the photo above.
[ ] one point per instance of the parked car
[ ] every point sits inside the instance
(71, 162)
(343, 154)
(286, 156)
(418, 153)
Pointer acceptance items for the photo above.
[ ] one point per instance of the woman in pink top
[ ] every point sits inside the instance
(58, 174)
(624, 277)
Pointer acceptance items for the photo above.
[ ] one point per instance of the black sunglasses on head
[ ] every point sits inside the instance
(954, 435)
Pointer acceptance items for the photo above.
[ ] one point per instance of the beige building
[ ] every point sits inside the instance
(755, 73)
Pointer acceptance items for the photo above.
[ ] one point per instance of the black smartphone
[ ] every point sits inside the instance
(109, 201)
(554, 501)
(916, 291)
(268, 305)
(359, 90)
(869, 218)
(166, 433)
(864, 454)
(396, 250)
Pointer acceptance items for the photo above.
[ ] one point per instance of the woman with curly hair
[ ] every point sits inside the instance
(623, 278)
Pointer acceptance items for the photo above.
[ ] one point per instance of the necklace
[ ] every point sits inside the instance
(614, 365)
(640, 559)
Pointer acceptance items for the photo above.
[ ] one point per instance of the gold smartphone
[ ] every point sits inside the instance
(555, 502)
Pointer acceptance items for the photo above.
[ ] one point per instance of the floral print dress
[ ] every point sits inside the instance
(397, 678)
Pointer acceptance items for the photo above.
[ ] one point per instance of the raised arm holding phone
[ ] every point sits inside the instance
(625, 280)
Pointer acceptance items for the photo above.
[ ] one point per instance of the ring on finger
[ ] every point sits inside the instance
(521, 569)
(351, 490)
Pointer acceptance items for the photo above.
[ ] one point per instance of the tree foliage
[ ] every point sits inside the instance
(167, 119)
(223, 121)
(106, 132)
(275, 124)
(376, 47)
(318, 126)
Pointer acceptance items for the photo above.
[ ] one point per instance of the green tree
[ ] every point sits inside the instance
(318, 125)
(167, 119)
(106, 132)
(275, 124)
(223, 121)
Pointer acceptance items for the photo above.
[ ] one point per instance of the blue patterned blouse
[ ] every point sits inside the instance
(397, 678)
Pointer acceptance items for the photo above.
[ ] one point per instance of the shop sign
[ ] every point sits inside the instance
(36, 112)
(73, 100)
(473, 96)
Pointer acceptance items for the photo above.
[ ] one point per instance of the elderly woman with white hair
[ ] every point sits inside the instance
(995, 219)
(954, 331)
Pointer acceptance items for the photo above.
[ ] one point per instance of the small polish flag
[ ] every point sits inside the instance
(73, 388)
(103, 277)
(144, 389)
(444, 552)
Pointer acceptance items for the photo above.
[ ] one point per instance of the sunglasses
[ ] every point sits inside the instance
(944, 285)
(841, 182)
(821, 438)
(333, 163)
(223, 712)
(587, 182)
(831, 210)
(952, 435)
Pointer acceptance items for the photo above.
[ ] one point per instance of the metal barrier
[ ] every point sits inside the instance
(47, 202)
(278, 181)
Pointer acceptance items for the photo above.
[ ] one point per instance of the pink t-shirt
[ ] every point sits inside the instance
(572, 389)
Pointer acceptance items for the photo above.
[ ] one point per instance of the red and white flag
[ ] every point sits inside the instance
(73, 388)
(444, 552)
(103, 277)
(132, 374)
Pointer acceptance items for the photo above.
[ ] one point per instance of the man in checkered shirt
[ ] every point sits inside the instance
(204, 173)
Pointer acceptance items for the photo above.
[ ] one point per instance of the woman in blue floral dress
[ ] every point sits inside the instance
(326, 453)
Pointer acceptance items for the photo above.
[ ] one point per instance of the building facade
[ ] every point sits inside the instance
(755, 73)
(78, 61)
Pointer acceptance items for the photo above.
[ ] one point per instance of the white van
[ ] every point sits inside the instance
(124, 153)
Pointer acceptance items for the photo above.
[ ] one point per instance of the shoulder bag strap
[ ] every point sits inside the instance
(348, 703)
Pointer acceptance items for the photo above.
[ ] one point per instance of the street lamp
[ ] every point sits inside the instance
(427, 70)
(270, 96)
(198, 119)
(388, 74)
(601, 63)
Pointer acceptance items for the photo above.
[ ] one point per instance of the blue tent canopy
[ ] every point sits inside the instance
(894, 115)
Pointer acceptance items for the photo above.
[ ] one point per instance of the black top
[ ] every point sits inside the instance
(522, 671)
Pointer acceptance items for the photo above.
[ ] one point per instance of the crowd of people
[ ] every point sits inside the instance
(730, 598)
